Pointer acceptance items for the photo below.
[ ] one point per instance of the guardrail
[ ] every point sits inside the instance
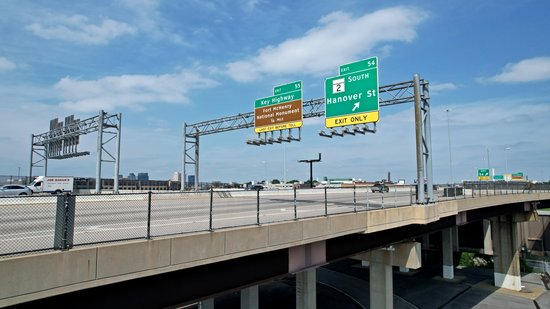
(43, 223)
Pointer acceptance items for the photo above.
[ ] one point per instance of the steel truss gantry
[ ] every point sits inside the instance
(415, 91)
(108, 128)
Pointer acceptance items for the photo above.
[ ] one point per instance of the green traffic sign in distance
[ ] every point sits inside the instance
(287, 87)
(483, 172)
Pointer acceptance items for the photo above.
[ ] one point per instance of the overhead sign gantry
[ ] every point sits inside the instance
(61, 142)
(414, 91)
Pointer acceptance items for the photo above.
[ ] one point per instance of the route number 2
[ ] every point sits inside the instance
(338, 85)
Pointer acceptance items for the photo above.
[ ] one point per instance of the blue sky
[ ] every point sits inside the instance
(163, 63)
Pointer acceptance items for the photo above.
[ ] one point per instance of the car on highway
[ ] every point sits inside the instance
(256, 187)
(380, 187)
(13, 190)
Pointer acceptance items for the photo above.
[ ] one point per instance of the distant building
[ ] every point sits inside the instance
(143, 176)
(190, 179)
(132, 176)
(176, 176)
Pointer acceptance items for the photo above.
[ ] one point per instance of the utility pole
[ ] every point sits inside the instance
(311, 168)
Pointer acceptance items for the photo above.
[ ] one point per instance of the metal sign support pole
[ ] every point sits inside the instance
(183, 169)
(428, 140)
(99, 152)
(117, 158)
(419, 146)
(197, 163)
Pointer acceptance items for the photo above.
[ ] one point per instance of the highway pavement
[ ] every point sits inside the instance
(29, 223)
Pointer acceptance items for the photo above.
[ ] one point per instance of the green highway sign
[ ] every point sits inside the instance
(287, 88)
(281, 111)
(359, 66)
(483, 174)
(352, 97)
(517, 176)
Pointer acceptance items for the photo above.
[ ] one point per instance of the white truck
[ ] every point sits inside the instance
(52, 184)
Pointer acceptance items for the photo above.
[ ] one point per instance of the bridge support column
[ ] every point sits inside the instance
(455, 239)
(306, 289)
(487, 238)
(249, 298)
(447, 248)
(406, 255)
(426, 241)
(381, 279)
(506, 253)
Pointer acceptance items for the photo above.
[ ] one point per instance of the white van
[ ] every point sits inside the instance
(52, 184)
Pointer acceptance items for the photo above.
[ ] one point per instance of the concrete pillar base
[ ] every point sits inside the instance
(448, 272)
(249, 298)
(447, 248)
(508, 281)
(506, 249)
(306, 289)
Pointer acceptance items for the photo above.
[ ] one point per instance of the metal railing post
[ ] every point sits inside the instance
(64, 222)
(210, 226)
(411, 195)
(149, 194)
(368, 205)
(258, 206)
(382, 198)
(394, 196)
(354, 200)
(506, 187)
(326, 203)
(295, 209)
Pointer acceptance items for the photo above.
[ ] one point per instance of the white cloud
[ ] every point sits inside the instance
(131, 91)
(250, 5)
(149, 20)
(339, 38)
(77, 28)
(6, 65)
(438, 88)
(528, 70)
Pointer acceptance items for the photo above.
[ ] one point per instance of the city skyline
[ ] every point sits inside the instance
(162, 64)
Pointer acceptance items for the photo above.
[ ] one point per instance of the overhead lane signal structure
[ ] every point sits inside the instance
(352, 98)
(283, 112)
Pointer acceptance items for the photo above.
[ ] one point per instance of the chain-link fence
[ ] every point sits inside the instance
(61, 222)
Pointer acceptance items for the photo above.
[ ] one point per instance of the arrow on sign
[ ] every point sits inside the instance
(356, 106)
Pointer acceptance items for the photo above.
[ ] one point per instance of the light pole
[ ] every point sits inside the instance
(506, 155)
(489, 164)
(265, 172)
(450, 153)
